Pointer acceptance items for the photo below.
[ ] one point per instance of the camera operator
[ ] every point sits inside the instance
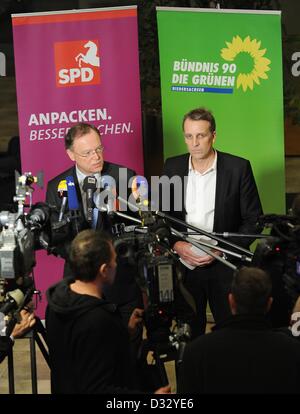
(243, 354)
(88, 344)
(21, 328)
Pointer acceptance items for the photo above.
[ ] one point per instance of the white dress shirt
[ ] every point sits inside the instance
(200, 196)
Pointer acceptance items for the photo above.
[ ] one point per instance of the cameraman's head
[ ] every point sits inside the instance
(93, 255)
(250, 292)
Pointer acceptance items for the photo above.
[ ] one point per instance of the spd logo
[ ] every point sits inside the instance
(77, 63)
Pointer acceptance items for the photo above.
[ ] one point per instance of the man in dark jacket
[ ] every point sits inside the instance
(88, 343)
(215, 192)
(243, 354)
(84, 147)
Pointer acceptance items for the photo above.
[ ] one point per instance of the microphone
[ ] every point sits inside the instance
(62, 190)
(73, 200)
(13, 300)
(89, 187)
(227, 235)
(72, 194)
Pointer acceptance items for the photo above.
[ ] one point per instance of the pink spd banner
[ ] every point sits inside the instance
(76, 66)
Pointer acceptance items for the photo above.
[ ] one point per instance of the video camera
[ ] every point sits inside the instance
(279, 255)
(147, 247)
(21, 234)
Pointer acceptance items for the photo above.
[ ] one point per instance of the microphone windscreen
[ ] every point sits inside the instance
(62, 188)
(17, 295)
(89, 183)
(72, 194)
(12, 300)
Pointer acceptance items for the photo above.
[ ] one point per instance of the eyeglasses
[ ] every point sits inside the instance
(90, 153)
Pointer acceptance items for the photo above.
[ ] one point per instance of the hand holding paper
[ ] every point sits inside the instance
(192, 256)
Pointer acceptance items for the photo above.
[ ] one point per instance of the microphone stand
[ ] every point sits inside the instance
(227, 234)
(119, 214)
(206, 247)
(203, 232)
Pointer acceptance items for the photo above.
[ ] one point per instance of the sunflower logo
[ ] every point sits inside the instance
(257, 66)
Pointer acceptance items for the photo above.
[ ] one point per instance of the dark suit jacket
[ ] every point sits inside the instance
(237, 203)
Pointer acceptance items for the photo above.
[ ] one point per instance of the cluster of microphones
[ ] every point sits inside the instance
(67, 192)
(102, 195)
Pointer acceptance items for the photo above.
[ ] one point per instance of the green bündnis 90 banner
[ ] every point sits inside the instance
(230, 62)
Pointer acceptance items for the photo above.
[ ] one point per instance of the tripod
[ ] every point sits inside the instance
(164, 346)
(33, 336)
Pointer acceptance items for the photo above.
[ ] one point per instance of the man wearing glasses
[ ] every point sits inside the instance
(83, 146)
